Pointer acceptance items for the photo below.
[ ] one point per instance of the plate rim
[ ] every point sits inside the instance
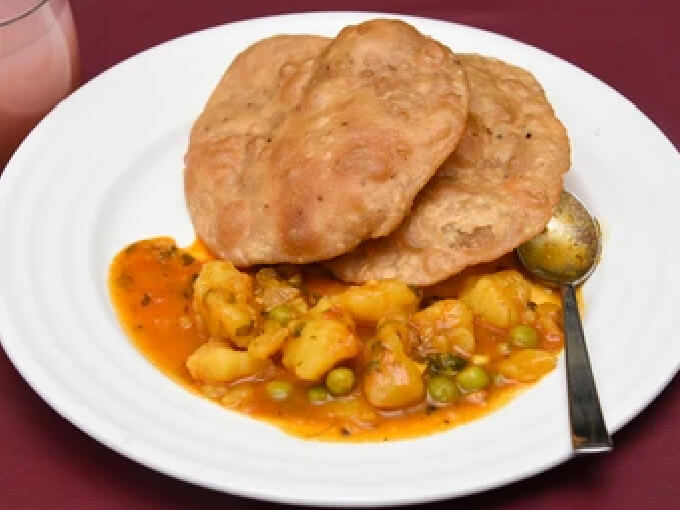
(66, 406)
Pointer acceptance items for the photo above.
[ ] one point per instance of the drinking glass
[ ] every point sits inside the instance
(39, 65)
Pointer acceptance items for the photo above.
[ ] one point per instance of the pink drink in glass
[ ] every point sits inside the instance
(39, 65)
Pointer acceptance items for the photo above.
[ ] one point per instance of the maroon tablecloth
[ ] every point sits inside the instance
(634, 45)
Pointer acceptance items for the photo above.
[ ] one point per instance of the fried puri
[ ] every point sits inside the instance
(496, 191)
(306, 148)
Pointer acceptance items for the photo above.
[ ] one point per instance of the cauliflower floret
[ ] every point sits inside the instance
(216, 362)
(499, 298)
(320, 341)
(378, 299)
(444, 327)
(223, 301)
(271, 290)
(391, 379)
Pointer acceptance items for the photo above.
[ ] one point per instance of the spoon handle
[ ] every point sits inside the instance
(588, 430)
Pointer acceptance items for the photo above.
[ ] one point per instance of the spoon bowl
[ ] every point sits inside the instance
(568, 250)
(565, 254)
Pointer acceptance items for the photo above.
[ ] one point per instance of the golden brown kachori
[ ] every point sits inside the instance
(496, 191)
(306, 148)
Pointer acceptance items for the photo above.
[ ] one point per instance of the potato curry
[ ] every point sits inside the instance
(331, 361)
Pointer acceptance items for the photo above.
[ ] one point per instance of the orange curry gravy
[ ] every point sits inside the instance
(151, 285)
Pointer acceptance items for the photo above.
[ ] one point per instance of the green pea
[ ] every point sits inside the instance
(472, 378)
(442, 389)
(281, 314)
(340, 381)
(279, 390)
(524, 336)
(317, 394)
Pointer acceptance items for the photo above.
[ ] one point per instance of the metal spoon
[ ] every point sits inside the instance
(566, 254)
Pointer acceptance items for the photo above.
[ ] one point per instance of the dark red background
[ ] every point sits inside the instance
(632, 45)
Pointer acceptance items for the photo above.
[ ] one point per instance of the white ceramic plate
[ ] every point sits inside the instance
(104, 169)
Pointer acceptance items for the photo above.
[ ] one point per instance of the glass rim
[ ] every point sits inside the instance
(23, 14)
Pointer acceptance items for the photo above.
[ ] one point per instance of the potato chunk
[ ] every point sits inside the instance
(323, 340)
(216, 362)
(266, 344)
(444, 327)
(223, 301)
(356, 411)
(498, 298)
(378, 299)
(526, 365)
(392, 379)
